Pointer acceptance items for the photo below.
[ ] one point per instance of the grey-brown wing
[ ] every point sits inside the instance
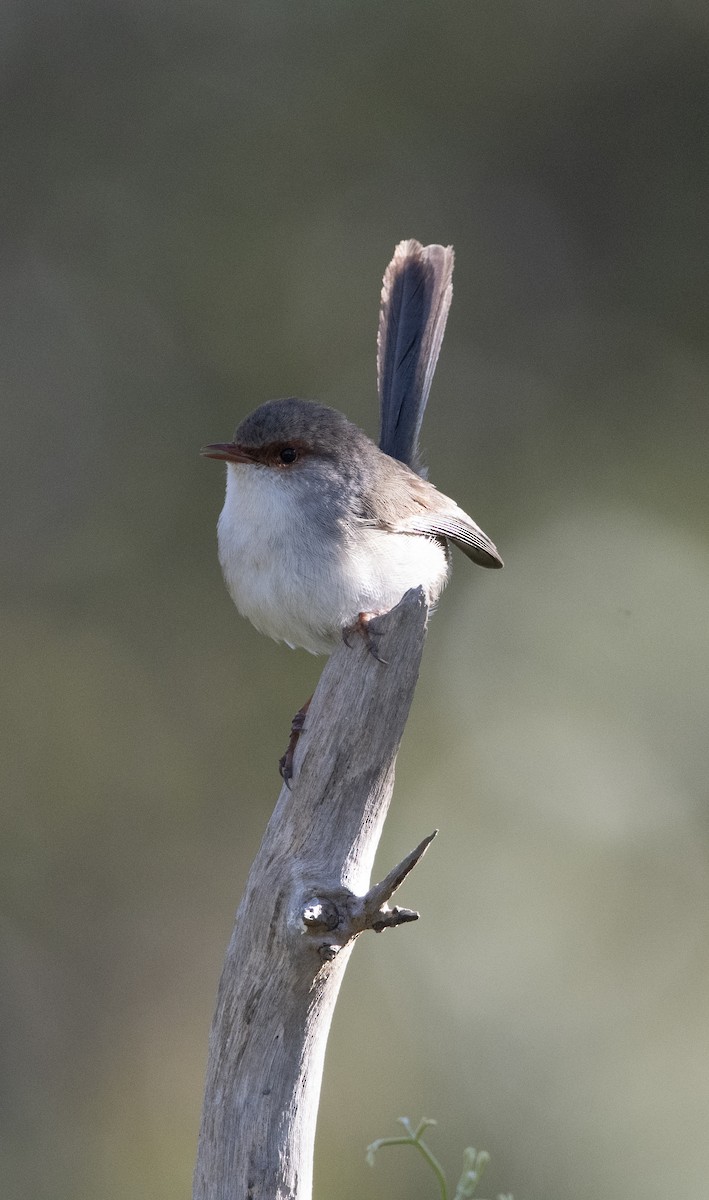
(465, 534)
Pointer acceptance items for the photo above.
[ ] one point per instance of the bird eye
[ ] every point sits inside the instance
(288, 455)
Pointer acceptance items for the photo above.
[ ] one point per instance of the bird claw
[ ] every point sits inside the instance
(285, 763)
(363, 628)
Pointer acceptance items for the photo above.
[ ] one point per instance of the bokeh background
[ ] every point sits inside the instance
(198, 203)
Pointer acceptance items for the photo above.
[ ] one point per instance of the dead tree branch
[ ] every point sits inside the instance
(307, 898)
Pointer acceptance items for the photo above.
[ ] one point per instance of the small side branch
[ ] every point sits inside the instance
(336, 918)
(377, 912)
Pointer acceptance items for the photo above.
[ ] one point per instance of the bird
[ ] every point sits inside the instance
(322, 529)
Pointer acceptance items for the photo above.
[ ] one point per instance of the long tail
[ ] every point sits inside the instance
(416, 296)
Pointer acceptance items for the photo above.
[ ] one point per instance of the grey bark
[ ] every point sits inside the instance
(306, 900)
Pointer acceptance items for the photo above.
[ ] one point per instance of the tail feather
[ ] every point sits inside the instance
(416, 296)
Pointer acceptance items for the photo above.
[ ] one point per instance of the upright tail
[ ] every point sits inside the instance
(416, 295)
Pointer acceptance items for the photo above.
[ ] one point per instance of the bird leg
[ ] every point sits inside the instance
(285, 764)
(363, 627)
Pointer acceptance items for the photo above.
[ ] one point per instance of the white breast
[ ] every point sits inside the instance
(301, 584)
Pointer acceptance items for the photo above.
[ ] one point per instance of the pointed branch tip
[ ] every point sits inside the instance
(389, 918)
(378, 895)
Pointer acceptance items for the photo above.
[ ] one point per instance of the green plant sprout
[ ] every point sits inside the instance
(474, 1161)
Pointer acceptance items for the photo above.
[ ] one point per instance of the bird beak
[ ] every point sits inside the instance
(227, 451)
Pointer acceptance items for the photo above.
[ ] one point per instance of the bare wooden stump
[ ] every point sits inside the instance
(306, 900)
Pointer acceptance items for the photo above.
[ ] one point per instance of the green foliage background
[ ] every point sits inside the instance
(198, 202)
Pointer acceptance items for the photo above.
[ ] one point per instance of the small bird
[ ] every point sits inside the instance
(322, 529)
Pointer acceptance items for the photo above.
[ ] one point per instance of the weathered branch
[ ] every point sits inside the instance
(306, 900)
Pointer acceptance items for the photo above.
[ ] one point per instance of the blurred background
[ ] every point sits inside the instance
(198, 204)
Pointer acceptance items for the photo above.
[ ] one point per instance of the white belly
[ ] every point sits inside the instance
(303, 585)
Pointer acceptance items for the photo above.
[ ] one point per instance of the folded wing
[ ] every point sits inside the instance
(462, 530)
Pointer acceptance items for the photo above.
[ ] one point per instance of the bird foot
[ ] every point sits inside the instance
(285, 764)
(363, 628)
